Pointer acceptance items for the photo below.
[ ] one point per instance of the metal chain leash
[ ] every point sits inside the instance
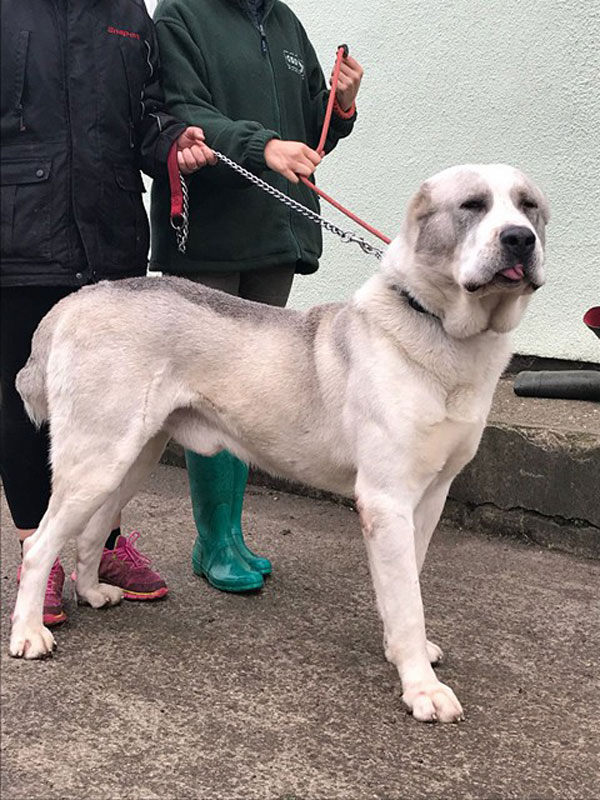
(183, 228)
(345, 236)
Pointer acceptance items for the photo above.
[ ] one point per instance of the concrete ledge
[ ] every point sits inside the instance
(535, 475)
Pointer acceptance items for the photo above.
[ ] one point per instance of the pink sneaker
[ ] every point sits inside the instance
(128, 569)
(53, 601)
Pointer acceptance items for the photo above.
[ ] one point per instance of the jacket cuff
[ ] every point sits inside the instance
(255, 150)
(339, 111)
(165, 140)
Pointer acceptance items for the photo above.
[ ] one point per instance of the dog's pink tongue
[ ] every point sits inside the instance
(514, 273)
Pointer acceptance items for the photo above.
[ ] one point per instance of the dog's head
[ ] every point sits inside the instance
(472, 247)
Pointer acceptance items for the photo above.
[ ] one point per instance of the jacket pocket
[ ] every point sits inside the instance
(129, 227)
(129, 179)
(26, 205)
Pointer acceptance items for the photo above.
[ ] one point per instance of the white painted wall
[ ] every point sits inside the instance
(448, 82)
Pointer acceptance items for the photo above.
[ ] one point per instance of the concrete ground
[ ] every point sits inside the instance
(286, 694)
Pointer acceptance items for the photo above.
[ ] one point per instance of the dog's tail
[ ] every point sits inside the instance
(32, 380)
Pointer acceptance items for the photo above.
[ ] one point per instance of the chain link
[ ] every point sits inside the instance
(182, 229)
(345, 236)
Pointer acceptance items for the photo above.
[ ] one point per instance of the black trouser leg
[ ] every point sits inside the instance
(24, 460)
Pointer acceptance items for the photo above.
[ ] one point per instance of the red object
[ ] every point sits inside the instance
(130, 570)
(339, 111)
(175, 184)
(346, 211)
(342, 52)
(332, 105)
(592, 319)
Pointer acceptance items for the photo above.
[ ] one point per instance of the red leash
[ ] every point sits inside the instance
(342, 52)
(175, 184)
(179, 211)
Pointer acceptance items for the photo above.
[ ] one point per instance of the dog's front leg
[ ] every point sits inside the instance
(388, 528)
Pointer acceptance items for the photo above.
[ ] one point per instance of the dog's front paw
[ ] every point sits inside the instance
(433, 702)
(435, 654)
(31, 641)
(103, 594)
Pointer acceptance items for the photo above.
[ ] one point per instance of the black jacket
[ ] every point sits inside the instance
(81, 114)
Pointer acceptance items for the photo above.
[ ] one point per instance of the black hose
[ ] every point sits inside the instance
(581, 384)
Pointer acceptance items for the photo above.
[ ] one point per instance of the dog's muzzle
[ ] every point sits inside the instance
(516, 260)
(518, 245)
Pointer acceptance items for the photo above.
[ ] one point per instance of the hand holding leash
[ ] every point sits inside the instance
(192, 151)
(291, 159)
(348, 84)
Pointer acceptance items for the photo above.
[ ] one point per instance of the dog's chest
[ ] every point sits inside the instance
(452, 440)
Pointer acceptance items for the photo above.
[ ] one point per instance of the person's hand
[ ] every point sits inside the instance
(192, 151)
(349, 80)
(291, 159)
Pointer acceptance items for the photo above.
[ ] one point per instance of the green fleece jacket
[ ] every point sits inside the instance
(244, 84)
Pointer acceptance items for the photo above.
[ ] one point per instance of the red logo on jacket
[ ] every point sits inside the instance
(119, 32)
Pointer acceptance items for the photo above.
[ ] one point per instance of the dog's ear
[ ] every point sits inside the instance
(420, 205)
(543, 206)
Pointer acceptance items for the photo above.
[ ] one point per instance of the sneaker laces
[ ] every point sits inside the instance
(55, 579)
(130, 553)
(54, 571)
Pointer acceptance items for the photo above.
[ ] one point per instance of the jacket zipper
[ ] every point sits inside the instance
(22, 53)
(130, 97)
(265, 51)
(263, 38)
(72, 217)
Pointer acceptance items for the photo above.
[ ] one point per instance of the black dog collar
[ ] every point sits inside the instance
(414, 303)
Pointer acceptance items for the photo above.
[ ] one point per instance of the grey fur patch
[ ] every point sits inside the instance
(437, 234)
(446, 225)
(225, 305)
(340, 337)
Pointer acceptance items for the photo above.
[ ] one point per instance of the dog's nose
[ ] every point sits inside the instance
(518, 240)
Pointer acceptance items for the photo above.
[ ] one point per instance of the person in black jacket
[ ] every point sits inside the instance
(81, 114)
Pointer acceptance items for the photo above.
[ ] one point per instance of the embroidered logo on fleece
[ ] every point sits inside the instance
(119, 32)
(294, 62)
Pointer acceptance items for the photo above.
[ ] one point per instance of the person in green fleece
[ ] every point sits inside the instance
(246, 73)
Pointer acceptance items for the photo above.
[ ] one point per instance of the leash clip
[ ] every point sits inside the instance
(348, 237)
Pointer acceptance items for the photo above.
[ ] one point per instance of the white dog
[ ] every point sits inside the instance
(384, 397)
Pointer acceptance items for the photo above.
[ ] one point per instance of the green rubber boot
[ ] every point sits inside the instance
(240, 477)
(215, 554)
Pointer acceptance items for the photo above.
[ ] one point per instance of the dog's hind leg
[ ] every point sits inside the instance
(90, 542)
(85, 475)
(63, 520)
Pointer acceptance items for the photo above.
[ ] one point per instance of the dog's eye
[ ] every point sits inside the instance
(474, 204)
(529, 204)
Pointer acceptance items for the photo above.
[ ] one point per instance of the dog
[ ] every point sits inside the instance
(383, 398)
